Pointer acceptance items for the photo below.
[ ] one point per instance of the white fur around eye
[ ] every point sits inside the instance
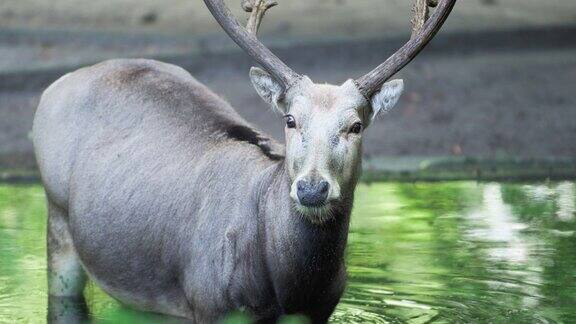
(387, 97)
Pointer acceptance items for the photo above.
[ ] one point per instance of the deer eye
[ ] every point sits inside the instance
(356, 128)
(290, 121)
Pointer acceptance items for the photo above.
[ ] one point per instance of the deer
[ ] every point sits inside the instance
(165, 197)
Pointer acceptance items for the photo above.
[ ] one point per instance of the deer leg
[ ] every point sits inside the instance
(66, 278)
(66, 310)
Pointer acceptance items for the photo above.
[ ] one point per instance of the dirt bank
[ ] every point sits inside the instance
(497, 96)
(497, 83)
(292, 18)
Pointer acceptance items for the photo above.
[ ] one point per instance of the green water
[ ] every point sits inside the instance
(454, 252)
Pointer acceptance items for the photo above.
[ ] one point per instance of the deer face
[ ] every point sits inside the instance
(324, 129)
(324, 123)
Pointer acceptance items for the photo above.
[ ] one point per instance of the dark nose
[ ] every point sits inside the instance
(312, 194)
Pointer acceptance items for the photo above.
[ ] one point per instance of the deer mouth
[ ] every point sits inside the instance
(317, 215)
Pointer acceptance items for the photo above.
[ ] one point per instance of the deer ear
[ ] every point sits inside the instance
(267, 87)
(386, 98)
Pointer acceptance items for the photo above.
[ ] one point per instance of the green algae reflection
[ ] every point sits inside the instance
(418, 253)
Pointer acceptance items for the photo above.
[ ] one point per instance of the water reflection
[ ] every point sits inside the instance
(493, 222)
(419, 253)
(566, 195)
(66, 310)
(501, 233)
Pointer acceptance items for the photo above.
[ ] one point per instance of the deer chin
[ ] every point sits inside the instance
(315, 215)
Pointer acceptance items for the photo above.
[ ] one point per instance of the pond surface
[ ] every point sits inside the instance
(418, 253)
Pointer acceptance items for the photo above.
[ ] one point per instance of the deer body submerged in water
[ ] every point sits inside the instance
(172, 203)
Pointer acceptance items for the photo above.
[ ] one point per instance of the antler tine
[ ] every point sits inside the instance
(420, 14)
(251, 45)
(371, 82)
(257, 10)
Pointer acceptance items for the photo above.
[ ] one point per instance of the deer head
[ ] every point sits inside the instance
(325, 123)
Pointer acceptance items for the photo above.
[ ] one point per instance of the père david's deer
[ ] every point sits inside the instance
(172, 203)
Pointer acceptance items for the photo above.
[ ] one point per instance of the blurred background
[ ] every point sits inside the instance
(492, 96)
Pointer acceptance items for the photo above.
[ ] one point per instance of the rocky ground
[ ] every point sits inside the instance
(498, 82)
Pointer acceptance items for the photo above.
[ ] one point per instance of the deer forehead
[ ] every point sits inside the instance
(311, 97)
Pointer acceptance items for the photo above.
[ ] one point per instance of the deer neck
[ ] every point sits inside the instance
(302, 258)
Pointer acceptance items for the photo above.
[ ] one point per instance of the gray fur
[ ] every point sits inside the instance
(173, 203)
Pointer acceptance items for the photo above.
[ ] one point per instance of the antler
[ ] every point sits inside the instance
(420, 14)
(257, 9)
(250, 44)
(371, 82)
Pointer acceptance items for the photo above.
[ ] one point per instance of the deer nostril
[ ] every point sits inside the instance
(301, 185)
(313, 195)
(323, 186)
